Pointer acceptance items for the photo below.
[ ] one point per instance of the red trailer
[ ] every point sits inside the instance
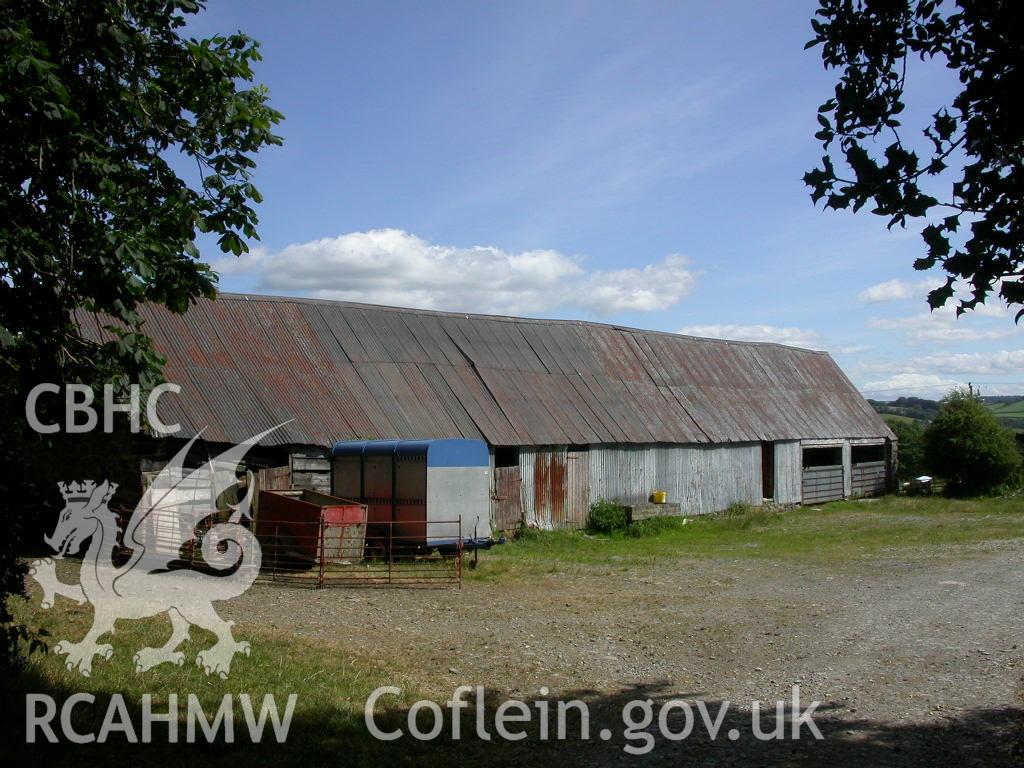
(306, 528)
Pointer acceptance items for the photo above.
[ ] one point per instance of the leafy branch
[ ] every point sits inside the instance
(976, 141)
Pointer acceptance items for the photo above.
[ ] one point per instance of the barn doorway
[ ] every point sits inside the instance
(768, 470)
(577, 486)
(822, 474)
(506, 490)
(869, 471)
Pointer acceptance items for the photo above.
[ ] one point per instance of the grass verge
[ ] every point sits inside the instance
(830, 533)
(326, 727)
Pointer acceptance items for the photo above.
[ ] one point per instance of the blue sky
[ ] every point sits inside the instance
(628, 162)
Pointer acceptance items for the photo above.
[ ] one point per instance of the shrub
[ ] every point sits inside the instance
(967, 446)
(606, 517)
(910, 450)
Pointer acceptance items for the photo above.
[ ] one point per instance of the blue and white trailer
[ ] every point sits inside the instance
(424, 493)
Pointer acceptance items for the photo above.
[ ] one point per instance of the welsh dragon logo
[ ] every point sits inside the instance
(156, 579)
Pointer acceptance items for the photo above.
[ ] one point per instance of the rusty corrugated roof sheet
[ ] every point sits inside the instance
(341, 371)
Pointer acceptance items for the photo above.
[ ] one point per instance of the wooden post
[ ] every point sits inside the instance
(320, 554)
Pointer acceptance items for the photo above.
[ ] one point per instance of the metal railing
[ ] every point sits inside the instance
(396, 553)
(322, 554)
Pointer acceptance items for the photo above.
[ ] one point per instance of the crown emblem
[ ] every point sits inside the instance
(80, 492)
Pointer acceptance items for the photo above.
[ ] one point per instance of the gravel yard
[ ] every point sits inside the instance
(912, 656)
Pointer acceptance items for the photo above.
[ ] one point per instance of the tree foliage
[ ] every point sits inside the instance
(967, 446)
(121, 138)
(975, 144)
(910, 456)
(104, 104)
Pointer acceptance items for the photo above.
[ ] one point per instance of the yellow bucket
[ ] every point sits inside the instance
(659, 497)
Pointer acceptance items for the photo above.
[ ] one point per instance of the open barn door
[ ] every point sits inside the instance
(506, 490)
(768, 470)
(822, 474)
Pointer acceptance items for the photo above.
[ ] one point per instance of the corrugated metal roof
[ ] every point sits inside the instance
(342, 371)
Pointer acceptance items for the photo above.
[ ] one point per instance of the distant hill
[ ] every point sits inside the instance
(915, 408)
(1009, 409)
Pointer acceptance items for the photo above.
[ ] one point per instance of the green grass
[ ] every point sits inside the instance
(327, 726)
(899, 417)
(836, 532)
(332, 682)
(1014, 410)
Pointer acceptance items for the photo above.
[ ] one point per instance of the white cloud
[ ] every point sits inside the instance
(850, 349)
(390, 266)
(969, 363)
(794, 337)
(890, 290)
(975, 363)
(934, 375)
(925, 385)
(894, 290)
(943, 326)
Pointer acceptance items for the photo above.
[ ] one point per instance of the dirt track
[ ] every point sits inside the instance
(912, 658)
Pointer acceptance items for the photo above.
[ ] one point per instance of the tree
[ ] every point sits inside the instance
(122, 138)
(966, 445)
(973, 146)
(910, 447)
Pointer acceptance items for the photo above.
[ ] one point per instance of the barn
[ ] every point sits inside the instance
(571, 411)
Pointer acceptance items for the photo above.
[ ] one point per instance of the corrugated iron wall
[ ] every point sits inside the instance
(560, 482)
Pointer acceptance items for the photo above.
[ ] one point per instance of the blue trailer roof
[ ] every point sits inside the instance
(457, 453)
(446, 452)
(348, 448)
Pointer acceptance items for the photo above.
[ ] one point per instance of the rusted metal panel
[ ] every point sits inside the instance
(295, 521)
(539, 342)
(606, 405)
(456, 409)
(481, 406)
(577, 487)
(506, 498)
(542, 488)
(396, 421)
(555, 488)
(437, 345)
(517, 404)
(363, 324)
(334, 318)
(557, 478)
(344, 370)
(569, 423)
(433, 403)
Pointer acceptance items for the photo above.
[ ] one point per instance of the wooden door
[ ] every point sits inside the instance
(506, 498)
(577, 487)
